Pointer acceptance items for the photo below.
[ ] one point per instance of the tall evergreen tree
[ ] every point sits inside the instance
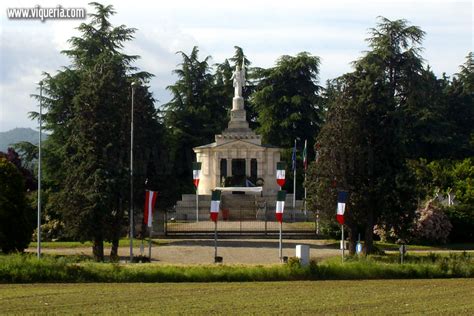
(194, 115)
(288, 105)
(87, 155)
(362, 143)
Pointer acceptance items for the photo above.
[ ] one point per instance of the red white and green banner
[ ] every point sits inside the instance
(341, 206)
(280, 205)
(280, 173)
(150, 199)
(305, 155)
(196, 173)
(215, 204)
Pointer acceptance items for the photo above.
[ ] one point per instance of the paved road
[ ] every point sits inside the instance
(201, 251)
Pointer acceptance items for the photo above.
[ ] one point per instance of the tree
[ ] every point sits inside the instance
(87, 155)
(194, 115)
(286, 99)
(443, 177)
(15, 215)
(28, 177)
(287, 103)
(362, 147)
(458, 112)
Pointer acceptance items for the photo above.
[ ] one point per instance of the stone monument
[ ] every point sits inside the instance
(238, 152)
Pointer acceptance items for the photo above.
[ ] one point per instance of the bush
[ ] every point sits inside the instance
(462, 218)
(15, 215)
(432, 224)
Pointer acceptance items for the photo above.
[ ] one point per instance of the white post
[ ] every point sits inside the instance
(39, 170)
(342, 243)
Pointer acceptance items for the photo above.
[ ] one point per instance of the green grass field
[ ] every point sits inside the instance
(383, 297)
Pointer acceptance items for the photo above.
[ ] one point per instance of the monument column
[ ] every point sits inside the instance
(229, 165)
(247, 167)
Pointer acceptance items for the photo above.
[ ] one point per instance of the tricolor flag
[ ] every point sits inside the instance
(305, 155)
(280, 205)
(196, 173)
(341, 206)
(150, 199)
(215, 204)
(280, 174)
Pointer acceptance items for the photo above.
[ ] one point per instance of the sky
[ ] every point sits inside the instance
(333, 30)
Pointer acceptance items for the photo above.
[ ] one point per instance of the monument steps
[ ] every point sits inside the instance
(237, 206)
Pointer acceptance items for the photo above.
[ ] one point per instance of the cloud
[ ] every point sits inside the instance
(333, 30)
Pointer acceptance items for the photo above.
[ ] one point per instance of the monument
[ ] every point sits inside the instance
(237, 158)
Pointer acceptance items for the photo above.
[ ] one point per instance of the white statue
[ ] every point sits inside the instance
(238, 80)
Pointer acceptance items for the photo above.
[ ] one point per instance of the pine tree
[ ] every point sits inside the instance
(87, 155)
(194, 115)
(362, 144)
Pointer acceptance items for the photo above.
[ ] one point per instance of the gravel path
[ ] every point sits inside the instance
(201, 251)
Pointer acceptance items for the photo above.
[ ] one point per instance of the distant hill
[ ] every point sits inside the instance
(18, 135)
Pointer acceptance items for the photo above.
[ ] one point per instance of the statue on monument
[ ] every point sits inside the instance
(238, 80)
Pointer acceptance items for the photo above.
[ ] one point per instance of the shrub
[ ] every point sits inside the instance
(15, 215)
(462, 218)
(432, 224)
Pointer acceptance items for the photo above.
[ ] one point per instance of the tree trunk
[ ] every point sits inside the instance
(98, 249)
(369, 233)
(114, 250)
(352, 239)
(116, 232)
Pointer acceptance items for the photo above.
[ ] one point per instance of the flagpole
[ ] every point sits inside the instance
(317, 222)
(294, 179)
(342, 243)
(197, 205)
(39, 171)
(149, 243)
(215, 240)
(280, 246)
(133, 84)
(305, 193)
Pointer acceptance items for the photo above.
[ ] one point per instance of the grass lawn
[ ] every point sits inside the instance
(448, 296)
(453, 246)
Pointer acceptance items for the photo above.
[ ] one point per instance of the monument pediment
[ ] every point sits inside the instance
(236, 143)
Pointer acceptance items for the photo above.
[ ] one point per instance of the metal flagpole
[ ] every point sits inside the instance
(280, 246)
(305, 194)
(39, 170)
(215, 240)
(149, 243)
(317, 222)
(197, 205)
(342, 243)
(294, 189)
(131, 173)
